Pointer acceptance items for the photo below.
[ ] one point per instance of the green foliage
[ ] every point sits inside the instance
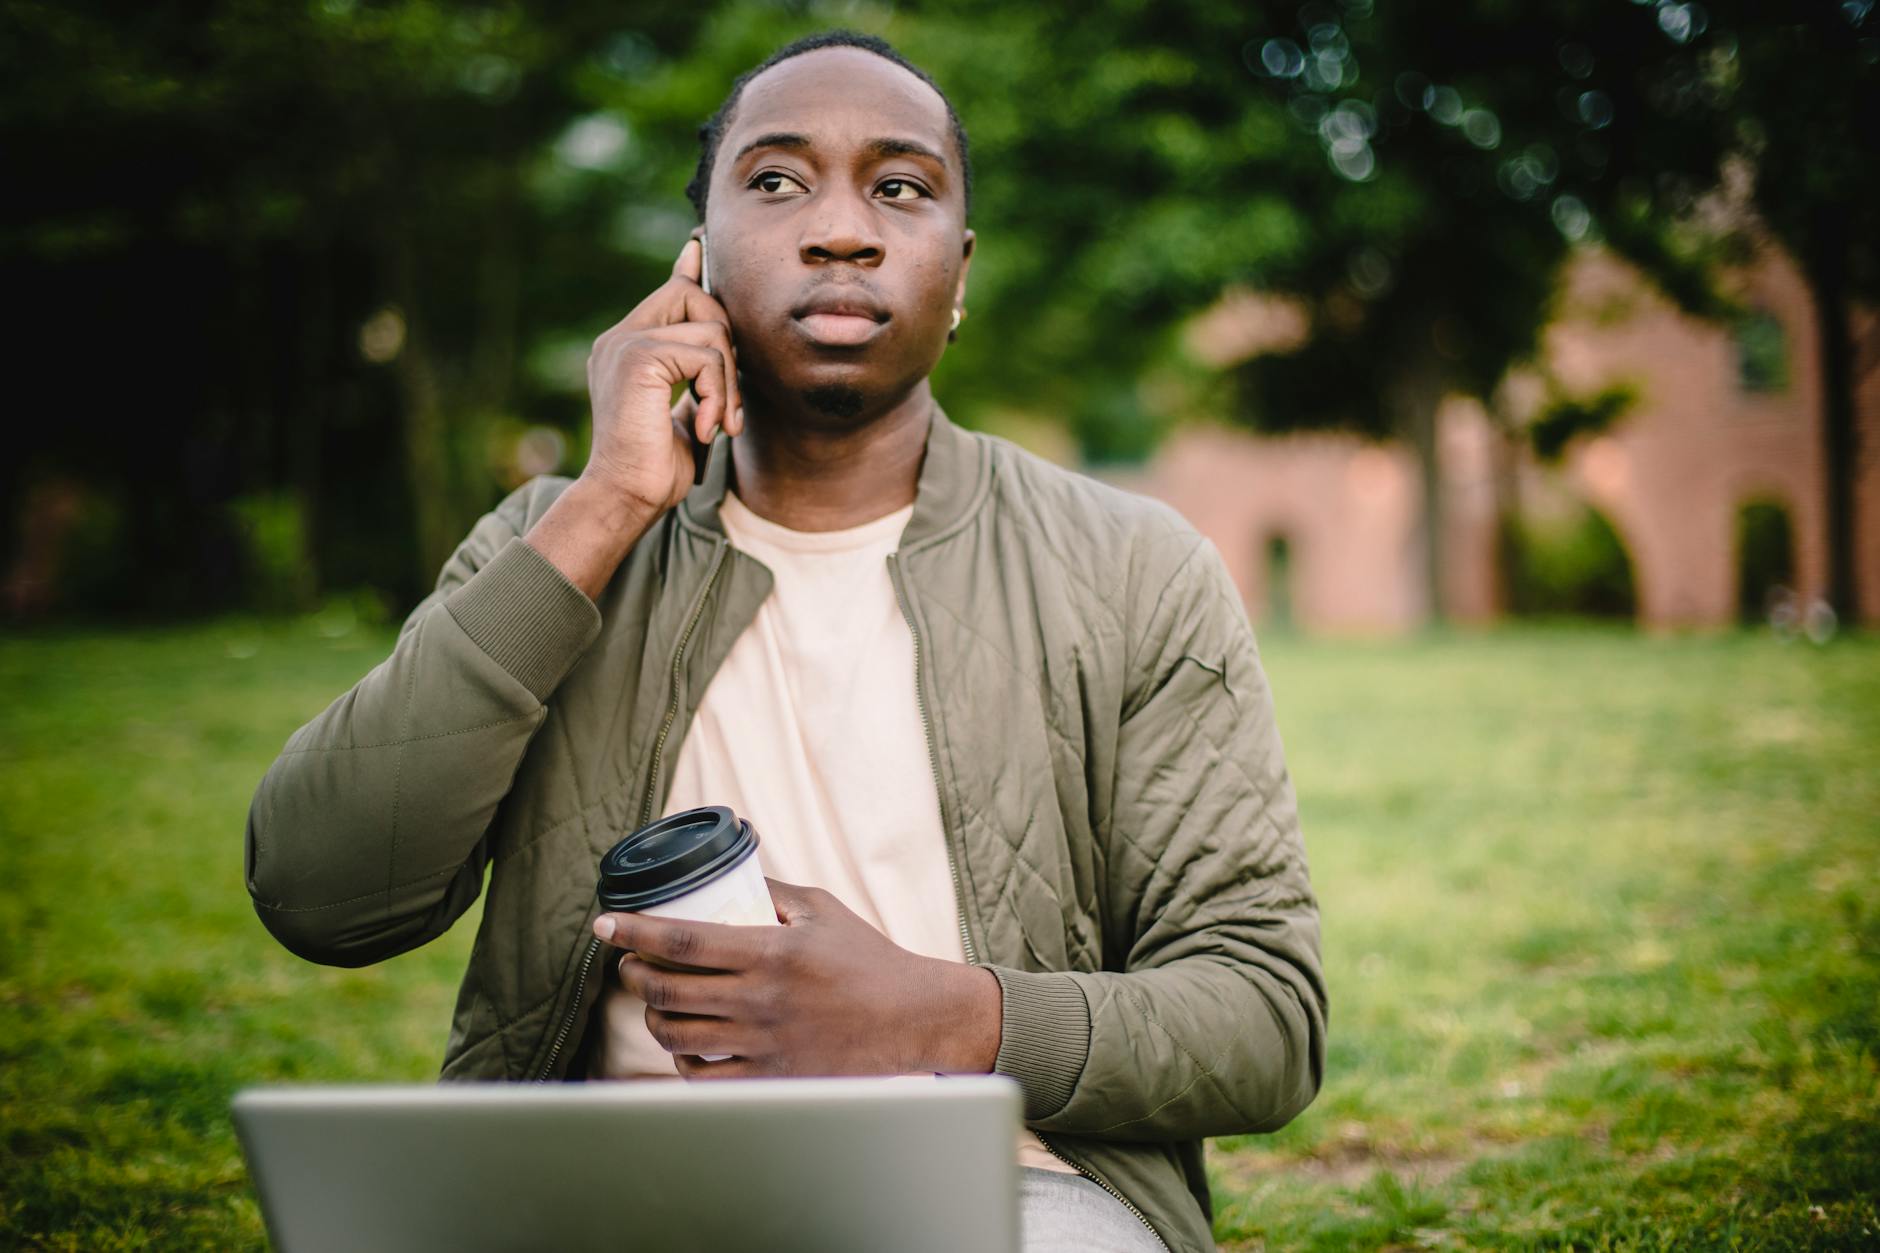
(1762, 353)
(1765, 556)
(278, 551)
(1805, 104)
(92, 569)
(222, 202)
(1578, 566)
(228, 198)
(1566, 417)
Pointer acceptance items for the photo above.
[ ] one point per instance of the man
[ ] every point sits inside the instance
(1003, 730)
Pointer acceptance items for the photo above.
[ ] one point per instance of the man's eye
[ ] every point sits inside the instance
(771, 180)
(904, 184)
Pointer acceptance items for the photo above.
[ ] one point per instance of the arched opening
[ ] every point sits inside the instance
(1765, 558)
(1278, 615)
(1762, 353)
(1574, 566)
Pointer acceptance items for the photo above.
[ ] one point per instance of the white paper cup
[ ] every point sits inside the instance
(739, 897)
(700, 865)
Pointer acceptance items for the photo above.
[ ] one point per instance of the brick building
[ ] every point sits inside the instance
(1324, 529)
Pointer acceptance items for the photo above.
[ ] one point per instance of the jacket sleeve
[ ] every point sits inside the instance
(1216, 1023)
(367, 836)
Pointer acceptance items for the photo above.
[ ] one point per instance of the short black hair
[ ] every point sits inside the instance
(709, 135)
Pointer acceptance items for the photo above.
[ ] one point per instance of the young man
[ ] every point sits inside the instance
(1003, 730)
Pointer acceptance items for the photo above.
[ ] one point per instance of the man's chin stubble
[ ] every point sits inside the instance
(835, 400)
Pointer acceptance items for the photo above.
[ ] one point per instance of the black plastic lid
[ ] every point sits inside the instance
(669, 858)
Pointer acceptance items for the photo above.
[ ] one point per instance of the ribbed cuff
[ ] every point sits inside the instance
(1046, 1037)
(527, 616)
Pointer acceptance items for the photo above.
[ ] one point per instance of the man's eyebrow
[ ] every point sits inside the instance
(904, 148)
(776, 139)
(875, 147)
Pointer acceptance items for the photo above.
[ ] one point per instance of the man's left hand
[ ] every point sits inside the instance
(823, 994)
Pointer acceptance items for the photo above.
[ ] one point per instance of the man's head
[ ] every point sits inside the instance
(710, 135)
(833, 182)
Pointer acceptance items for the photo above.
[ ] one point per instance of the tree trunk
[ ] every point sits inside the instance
(1826, 258)
(427, 454)
(1413, 395)
(1508, 507)
(499, 300)
(314, 418)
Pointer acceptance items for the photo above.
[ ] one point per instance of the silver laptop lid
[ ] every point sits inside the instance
(831, 1165)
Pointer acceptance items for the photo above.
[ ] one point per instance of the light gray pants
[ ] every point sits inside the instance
(1065, 1213)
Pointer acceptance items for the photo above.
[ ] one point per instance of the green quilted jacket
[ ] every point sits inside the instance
(1120, 821)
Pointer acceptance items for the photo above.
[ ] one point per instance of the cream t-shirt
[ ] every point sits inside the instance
(811, 730)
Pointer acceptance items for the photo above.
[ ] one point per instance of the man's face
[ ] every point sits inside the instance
(837, 233)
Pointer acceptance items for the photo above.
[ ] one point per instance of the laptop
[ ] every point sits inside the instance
(912, 1163)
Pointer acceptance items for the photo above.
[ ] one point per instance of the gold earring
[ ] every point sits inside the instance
(958, 313)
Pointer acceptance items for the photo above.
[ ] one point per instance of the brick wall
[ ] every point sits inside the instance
(1671, 475)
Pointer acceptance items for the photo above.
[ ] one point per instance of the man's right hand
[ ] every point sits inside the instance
(640, 460)
(678, 334)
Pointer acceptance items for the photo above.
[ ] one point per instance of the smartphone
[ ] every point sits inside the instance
(701, 451)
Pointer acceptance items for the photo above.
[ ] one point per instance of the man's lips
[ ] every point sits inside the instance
(844, 315)
(841, 329)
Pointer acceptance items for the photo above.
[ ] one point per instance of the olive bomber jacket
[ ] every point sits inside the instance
(1120, 820)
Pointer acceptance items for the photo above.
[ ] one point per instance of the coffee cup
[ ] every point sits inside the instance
(699, 865)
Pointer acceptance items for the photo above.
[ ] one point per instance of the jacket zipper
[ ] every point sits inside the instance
(1103, 1183)
(646, 809)
(933, 755)
(567, 1024)
(959, 896)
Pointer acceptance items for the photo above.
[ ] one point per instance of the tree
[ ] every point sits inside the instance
(210, 204)
(379, 234)
(1413, 177)
(1806, 107)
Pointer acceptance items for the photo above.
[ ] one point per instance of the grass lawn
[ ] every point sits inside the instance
(1600, 924)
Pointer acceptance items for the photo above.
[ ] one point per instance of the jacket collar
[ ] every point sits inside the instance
(955, 474)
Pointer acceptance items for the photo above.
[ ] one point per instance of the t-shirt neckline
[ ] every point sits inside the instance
(741, 523)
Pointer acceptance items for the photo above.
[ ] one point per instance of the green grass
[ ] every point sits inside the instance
(1603, 945)
(137, 988)
(1600, 915)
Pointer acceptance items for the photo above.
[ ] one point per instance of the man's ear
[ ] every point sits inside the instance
(966, 263)
(698, 232)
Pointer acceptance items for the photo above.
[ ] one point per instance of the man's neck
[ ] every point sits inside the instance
(818, 480)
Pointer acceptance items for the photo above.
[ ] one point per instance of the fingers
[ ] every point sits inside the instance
(659, 359)
(716, 336)
(685, 413)
(685, 417)
(692, 1066)
(676, 359)
(678, 299)
(677, 991)
(712, 945)
(680, 308)
(693, 1035)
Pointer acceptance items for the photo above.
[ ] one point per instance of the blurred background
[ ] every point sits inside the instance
(1421, 311)
(1520, 358)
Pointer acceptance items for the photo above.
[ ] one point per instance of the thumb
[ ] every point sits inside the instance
(794, 901)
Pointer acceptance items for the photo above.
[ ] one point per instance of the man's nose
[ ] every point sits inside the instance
(844, 231)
